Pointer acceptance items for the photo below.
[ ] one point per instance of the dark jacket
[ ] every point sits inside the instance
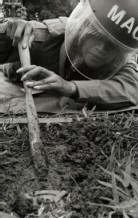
(115, 91)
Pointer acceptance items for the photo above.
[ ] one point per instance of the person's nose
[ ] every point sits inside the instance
(100, 47)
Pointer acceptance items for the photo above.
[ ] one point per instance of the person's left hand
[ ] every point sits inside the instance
(22, 13)
(50, 81)
(18, 28)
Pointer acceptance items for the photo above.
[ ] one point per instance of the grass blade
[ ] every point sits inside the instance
(115, 193)
(109, 173)
(125, 214)
(109, 185)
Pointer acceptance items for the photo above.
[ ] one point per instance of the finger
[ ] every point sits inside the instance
(12, 34)
(31, 39)
(25, 69)
(37, 71)
(46, 87)
(27, 35)
(18, 34)
(31, 73)
(41, 82)
(23, 13)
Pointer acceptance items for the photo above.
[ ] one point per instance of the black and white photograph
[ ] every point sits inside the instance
(69, 108)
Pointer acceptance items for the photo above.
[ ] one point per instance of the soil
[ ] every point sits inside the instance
(75, 153)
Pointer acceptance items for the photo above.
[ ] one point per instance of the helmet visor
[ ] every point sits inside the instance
(88, 45)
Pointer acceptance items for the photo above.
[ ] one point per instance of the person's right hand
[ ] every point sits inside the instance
(16, 29)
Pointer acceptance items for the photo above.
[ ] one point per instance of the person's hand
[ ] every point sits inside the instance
(22, 13)
(50, 81)
(16, 29)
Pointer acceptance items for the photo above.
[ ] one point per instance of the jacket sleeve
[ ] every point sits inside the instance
(43, 31)
(56, 26)
(119, 91)
(3, 27)
(49, 28)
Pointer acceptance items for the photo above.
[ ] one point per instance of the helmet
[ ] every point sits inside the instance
(119, 19)
(112, 24)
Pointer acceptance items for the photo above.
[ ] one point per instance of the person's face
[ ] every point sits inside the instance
(97, 52)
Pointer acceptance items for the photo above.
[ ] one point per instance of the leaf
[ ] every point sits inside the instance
(122, 192)
(101, 205)
(115, 193)
(117, 177)
(129, 121)
(92, 110)
(132, 181)
(107, 184)
(102, 215)
(128, 165)
(124, 205)
(68, 215)
(135, 193)
(134, 211)
(85, 111)
(135, 171)
(111, 201)
(127, 176)
(127, 204)
(125, 214)
(111, 213)
(112, 153)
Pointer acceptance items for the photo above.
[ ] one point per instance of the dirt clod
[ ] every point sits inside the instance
(76, 152)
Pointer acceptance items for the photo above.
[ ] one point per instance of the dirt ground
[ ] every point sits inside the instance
(75, 153)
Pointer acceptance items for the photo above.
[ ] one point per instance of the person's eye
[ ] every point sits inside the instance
(109, 46)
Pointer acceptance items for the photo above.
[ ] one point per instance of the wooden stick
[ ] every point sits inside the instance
(36, 145)
(23, 120)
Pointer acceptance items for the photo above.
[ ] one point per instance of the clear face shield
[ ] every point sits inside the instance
(88, 45)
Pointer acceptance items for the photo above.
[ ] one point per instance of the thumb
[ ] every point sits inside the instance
(28, 34)
(31, 40)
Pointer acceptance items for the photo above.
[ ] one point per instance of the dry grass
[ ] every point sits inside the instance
(124, 200)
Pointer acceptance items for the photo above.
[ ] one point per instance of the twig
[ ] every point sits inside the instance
(3, 153)
(75, 181)
(130, 137)
(41, 120)
(7, 142)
